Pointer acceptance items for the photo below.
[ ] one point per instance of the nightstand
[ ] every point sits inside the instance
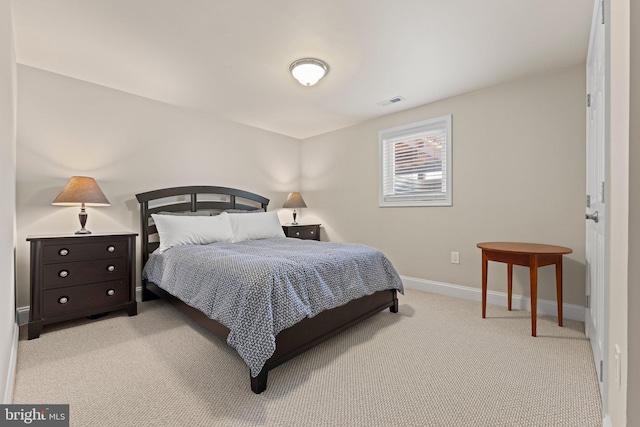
(300, 231)
(80, 275)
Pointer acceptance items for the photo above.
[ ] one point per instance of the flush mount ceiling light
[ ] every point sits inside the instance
(308, 71)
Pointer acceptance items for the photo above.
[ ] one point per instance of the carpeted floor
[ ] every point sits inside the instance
(435, 363)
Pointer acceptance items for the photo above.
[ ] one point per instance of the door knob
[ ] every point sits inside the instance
(593, 216)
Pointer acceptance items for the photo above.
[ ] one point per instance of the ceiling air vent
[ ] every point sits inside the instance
(390, 101)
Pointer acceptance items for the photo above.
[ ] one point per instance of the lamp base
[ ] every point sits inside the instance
(83, 220)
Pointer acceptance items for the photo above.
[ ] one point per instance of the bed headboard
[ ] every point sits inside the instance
(185, 199)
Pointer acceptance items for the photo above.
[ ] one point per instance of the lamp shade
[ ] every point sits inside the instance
(81, 190)
(294, 200)
(308, 71)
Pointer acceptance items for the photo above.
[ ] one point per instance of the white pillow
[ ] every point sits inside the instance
(260, 225)
(192, 230)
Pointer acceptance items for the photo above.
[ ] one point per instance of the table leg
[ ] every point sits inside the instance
(484, 284)
(533, 273)
(509, 284)
(559, 289)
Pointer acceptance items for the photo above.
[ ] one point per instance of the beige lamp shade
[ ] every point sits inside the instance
(81, 190)
(294, 200)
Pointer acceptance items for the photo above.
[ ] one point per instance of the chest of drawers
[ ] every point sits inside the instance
(77, 276)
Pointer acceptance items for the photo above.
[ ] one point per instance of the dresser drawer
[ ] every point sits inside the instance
(64, 252)
(75, 273)
(305, 232)
(84, 297)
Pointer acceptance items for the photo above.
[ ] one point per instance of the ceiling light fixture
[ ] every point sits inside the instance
(308, 71)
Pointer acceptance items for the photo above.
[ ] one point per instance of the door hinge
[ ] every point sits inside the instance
(602, 191)
(601, 371)
(588, 100)
(588, 301)
(602, 3)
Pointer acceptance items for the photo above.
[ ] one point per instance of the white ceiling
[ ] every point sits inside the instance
(231, 57)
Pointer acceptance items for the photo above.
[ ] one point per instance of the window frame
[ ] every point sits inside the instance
(385, 136)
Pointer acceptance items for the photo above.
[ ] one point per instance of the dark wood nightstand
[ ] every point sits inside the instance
(303, 231)
(80, 275)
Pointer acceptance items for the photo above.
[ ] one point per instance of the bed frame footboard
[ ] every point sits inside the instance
(302, 336)
(312, 331)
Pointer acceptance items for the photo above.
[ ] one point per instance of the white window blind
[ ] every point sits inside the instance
(415, 164)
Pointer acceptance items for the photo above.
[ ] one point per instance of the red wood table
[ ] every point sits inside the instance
(530, 255)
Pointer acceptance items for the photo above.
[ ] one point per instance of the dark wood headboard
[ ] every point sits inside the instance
(185, 199)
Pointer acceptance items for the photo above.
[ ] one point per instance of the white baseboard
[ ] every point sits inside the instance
(11, 373)
(545, 307)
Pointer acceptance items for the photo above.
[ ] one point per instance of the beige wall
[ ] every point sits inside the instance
(8, 197)
(128, 144)
(518, 174)
(618, 208)
(633, 284)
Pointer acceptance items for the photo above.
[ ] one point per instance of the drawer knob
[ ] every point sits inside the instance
(63, 273)
(63, 252)
(111, 292)
(297, 233)
(111, 248)
(311, 231)
(111, 268)
(63, 300)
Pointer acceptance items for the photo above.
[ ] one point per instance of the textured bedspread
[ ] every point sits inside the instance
(257, 288)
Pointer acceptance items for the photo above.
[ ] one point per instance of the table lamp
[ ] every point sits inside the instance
(294, 200)
(81, 191)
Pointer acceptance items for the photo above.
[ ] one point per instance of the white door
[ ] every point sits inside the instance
(596, 197)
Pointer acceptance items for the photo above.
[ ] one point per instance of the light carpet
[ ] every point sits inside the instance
(435, 363)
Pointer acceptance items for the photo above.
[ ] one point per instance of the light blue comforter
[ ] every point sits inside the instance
(257, 288)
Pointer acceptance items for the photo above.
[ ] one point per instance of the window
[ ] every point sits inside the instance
(415, 164)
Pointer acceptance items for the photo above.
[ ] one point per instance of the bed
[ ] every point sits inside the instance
(288, 257)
